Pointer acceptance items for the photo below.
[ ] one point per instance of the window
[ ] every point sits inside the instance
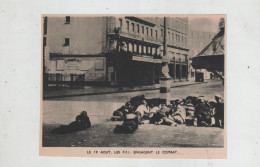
(45, 26)
(130, 47)
(135, 48)
(44, 41)
(133, 27)
(140, 49)
(182, 39)
(143, 29)
(147, 31)
(120, 23)
(151, 30)
(138, 28)
(67, 20)
(169, 36)
(156, 34)
(53, 65)
(99, 64)
(176, 37)
(67, 42)
(161, 32)
(172, 37)
(127, 25)
(60, 65)
(86, 65)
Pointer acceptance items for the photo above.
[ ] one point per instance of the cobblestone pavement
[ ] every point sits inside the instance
(100, 109)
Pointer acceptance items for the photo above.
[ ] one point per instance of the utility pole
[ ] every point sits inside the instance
(165, 80)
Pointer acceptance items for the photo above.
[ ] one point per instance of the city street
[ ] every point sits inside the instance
(100, 108)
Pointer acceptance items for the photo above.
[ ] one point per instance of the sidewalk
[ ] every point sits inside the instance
(97, 90)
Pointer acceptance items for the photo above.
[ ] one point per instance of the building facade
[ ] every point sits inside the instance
(199, 40)
(113, 50)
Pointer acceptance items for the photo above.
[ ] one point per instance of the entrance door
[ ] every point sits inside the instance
(111, 75)
(178, 71)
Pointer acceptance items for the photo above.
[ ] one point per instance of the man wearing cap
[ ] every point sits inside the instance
(202, 114)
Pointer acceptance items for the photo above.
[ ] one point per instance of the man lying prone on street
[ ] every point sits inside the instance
(82, 122)
(120, 113)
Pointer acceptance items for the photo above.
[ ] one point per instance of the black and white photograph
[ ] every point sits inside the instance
(133, 81)
(129, 83)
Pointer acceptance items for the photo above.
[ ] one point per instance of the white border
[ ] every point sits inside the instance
(20, 65)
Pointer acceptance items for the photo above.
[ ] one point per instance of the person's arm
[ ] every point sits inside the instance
(78, 118)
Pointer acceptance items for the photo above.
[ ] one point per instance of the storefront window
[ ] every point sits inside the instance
(60, 65)
(87, 65)
(52, 65)
(99, 64)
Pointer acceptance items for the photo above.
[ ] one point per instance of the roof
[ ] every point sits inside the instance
(215, 47)
(212, 56)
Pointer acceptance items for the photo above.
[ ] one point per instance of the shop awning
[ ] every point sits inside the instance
(211, 57)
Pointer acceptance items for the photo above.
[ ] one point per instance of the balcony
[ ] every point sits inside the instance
(137, 36)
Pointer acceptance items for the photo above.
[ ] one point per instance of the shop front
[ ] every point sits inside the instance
(134, 70)
(64, 70)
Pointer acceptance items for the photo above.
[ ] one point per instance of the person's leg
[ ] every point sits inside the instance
(139, 117)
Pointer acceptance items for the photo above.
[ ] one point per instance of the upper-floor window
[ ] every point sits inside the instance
(67, 20)
(156, 34)
(44, 41)
(45, 26)
(147, 31)
(138, 28)
(172, 37)
(120, 23)
(142, 29)
(127, 25)
(67, 42)
(182, 39)
(151, 30)
(133, 27)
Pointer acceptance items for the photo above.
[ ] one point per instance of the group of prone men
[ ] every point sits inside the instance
(192, 111)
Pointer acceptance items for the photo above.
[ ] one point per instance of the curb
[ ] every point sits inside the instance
(101, 93)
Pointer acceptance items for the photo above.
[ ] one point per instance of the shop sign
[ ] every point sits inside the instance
(146, 59)
(72, 64)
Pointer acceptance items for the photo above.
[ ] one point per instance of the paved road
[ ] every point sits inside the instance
(207, 89)
(100, 108)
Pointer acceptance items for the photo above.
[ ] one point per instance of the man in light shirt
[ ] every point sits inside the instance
(141, 111)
